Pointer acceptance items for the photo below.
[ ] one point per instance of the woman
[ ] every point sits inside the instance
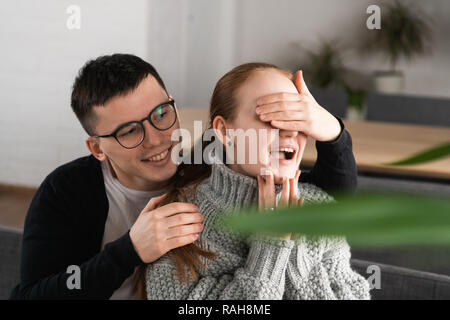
(223, 265)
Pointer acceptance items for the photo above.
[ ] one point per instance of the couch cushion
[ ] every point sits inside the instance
(405, 284)
(10, 247)
(408, 109)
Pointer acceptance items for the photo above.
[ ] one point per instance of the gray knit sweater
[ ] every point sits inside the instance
(257, 267)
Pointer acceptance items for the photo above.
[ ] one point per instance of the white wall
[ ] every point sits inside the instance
(206, 38)
(272, 30)
(192, 43)
(39, 59)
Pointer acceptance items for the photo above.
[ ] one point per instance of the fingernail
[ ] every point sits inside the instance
(258, 110)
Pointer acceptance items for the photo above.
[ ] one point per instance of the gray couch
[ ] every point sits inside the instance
(395, 282)
(408, 109)
(334, 100)
(10, 243)
(398, 283)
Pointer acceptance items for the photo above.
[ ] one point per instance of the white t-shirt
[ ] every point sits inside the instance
(125, 205)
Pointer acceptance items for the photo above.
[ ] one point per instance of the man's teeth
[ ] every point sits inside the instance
(159, 157)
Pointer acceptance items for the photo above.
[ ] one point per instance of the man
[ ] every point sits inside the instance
(95, 216)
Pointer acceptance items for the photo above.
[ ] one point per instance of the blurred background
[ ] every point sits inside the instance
(391, 85)
(192, 43)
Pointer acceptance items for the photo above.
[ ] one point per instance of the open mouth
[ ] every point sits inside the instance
(284, 153)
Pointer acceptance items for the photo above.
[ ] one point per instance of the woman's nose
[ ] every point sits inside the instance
(288, 134)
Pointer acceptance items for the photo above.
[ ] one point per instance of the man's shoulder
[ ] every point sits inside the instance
(72, 188)
(79, 170)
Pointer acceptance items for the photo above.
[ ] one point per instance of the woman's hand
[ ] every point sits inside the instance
(298, 112)
(266, 192)
(289, 195)
(294, 199)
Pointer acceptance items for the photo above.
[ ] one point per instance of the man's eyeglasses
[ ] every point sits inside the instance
(131, 134)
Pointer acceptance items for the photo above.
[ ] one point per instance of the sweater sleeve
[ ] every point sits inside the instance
(320, 269)
(335, 168)
(261, 277)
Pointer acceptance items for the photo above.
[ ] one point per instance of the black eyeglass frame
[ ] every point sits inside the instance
(141, 123)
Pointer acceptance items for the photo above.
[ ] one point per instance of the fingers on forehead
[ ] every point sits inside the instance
(277, 97)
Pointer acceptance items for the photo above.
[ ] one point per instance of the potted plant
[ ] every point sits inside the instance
(325, 66)
(356, 109)
(326, 69)
(405, 34)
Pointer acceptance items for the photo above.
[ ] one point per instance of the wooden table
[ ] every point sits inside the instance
(374, 143)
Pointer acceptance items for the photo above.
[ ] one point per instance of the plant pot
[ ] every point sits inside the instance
(391, 82)
(355, 113)
(356, 108)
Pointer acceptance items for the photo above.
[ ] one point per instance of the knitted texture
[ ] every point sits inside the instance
(257, 267)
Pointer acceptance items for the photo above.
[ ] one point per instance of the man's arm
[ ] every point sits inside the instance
(335, 168)
(64, 227)
(54, 239)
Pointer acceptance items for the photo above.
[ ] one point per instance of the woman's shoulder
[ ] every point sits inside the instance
(313, 194)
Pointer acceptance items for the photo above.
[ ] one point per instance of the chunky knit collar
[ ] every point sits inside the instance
(231, 188)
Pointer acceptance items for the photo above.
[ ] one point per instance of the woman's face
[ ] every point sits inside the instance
(283, 159)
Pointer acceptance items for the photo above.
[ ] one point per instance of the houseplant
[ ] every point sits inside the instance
(325, 66)
(326, 69)
(405, 34)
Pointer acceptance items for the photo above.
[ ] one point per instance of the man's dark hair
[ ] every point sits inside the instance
(104, 78)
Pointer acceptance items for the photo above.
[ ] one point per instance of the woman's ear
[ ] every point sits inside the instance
(219, 125)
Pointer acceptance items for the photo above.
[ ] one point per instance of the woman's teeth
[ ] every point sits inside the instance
(287, 150)
(158, 157)
(284, 153)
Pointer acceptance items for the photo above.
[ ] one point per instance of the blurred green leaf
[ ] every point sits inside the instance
(426, 156)
(370, 219)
